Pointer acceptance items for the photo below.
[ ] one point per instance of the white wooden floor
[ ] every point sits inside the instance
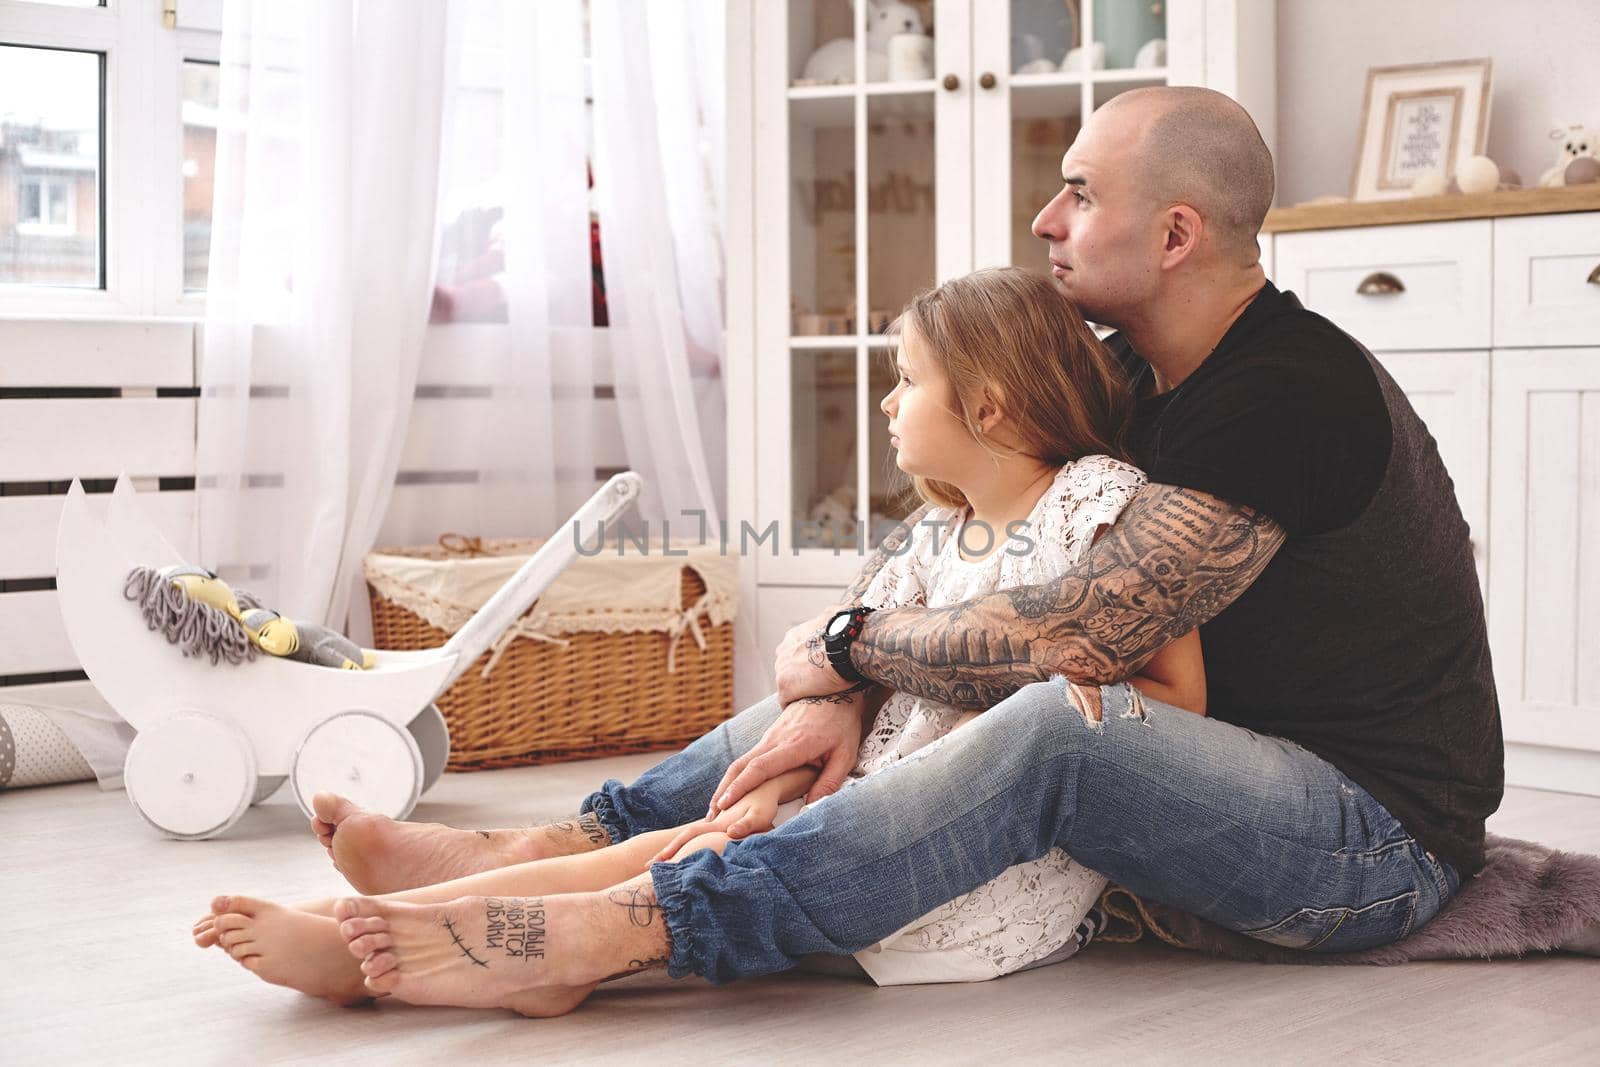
(96, 964)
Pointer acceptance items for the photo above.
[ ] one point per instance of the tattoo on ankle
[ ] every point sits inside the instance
(640, 900)
(462, 945)
(485, 835)
(515, 926)
(587, 825)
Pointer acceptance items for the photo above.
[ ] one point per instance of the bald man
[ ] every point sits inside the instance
(1298, 514)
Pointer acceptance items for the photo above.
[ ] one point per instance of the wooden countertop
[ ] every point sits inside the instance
(1434, 208)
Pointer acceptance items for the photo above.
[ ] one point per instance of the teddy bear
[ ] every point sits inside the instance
(1576, 143)
(835, 61)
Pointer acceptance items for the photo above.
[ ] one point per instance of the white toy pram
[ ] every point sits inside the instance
(214, 739)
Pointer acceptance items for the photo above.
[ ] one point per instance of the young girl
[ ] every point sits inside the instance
(1009, 416)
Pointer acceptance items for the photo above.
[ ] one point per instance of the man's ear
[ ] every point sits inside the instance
(1184, 228)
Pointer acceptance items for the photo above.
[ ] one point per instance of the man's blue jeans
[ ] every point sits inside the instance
(1252, 832)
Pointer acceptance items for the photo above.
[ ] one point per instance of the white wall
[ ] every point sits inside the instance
(1546, 74)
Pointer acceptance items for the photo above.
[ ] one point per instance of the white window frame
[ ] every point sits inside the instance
(142, 129)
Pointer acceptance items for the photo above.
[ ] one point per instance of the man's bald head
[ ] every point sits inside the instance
(1201, 148)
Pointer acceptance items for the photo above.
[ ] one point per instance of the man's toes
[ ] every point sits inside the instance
(383, 984)
(356, 908)
(370, 924)
(381, 964)
(332, 809)
(367, 944)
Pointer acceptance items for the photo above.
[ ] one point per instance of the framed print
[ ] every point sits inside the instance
(1416, 120)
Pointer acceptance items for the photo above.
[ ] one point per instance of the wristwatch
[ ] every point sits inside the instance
(837, 637)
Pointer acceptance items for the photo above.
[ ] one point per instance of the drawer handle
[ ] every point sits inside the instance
(1380, 283)
(1594, 275)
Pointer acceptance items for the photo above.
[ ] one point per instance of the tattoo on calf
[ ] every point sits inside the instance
(515, 926)
(1172, 561)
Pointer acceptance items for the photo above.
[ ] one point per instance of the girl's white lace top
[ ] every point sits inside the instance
(1031, 909)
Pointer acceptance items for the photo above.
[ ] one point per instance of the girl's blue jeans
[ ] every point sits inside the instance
(1251, 832)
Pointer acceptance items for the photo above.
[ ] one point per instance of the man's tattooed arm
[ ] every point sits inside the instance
(1173, 560)
(891, 546)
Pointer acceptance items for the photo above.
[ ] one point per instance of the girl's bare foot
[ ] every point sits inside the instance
(376, 854)
(474, 952)
(285, 946)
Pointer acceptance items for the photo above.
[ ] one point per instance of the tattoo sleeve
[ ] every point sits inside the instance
(1173, 560)
(891, 546)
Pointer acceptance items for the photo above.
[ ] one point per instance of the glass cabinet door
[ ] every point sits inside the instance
(1048, 65)
(858, 209)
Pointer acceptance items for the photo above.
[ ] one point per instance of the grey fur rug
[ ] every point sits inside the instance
(1528, 898)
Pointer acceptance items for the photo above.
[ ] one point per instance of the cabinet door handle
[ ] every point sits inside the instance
(1380, 283)
(1594, 275)
(951, 83)
(986, 81)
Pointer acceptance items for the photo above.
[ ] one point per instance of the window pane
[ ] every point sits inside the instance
(201, 82)
(50, 154)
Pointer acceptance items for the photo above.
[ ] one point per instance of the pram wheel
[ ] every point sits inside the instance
(362, 756)
(433, 738)
(191, 775)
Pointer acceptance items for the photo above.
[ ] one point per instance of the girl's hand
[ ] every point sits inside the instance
(753, 814)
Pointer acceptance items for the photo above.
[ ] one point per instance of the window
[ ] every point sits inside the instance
(107, 135)
(51, 145)
(201, 84)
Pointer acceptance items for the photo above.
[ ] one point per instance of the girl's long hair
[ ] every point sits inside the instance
(1010, 331)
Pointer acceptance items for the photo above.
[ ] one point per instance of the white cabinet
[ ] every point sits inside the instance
(1423, 286)
(1544, 576)
(1496, 341)
(861, 194)
(1547, 272)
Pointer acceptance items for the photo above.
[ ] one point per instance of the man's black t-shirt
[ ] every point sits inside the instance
(1364, 639)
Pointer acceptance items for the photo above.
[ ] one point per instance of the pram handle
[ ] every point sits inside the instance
(513, 599)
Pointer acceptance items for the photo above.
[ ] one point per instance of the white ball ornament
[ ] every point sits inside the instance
(1430, 185)
(1478, 175)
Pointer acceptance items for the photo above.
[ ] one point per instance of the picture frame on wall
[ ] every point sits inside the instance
(1425, 118)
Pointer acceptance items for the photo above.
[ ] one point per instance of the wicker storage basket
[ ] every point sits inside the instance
(604, 694)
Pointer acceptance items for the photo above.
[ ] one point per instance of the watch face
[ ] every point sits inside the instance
(837, 625)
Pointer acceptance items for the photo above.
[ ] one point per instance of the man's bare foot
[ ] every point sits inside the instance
(285, 946)
(376, 854)
(475, 952)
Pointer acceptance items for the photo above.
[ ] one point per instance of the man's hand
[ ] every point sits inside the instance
(820, 731)
(802, 663)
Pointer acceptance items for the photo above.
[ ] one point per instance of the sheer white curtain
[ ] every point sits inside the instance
(514, 328)
(658, 83)
(659, 79)
(382, 163)
(321, 267)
